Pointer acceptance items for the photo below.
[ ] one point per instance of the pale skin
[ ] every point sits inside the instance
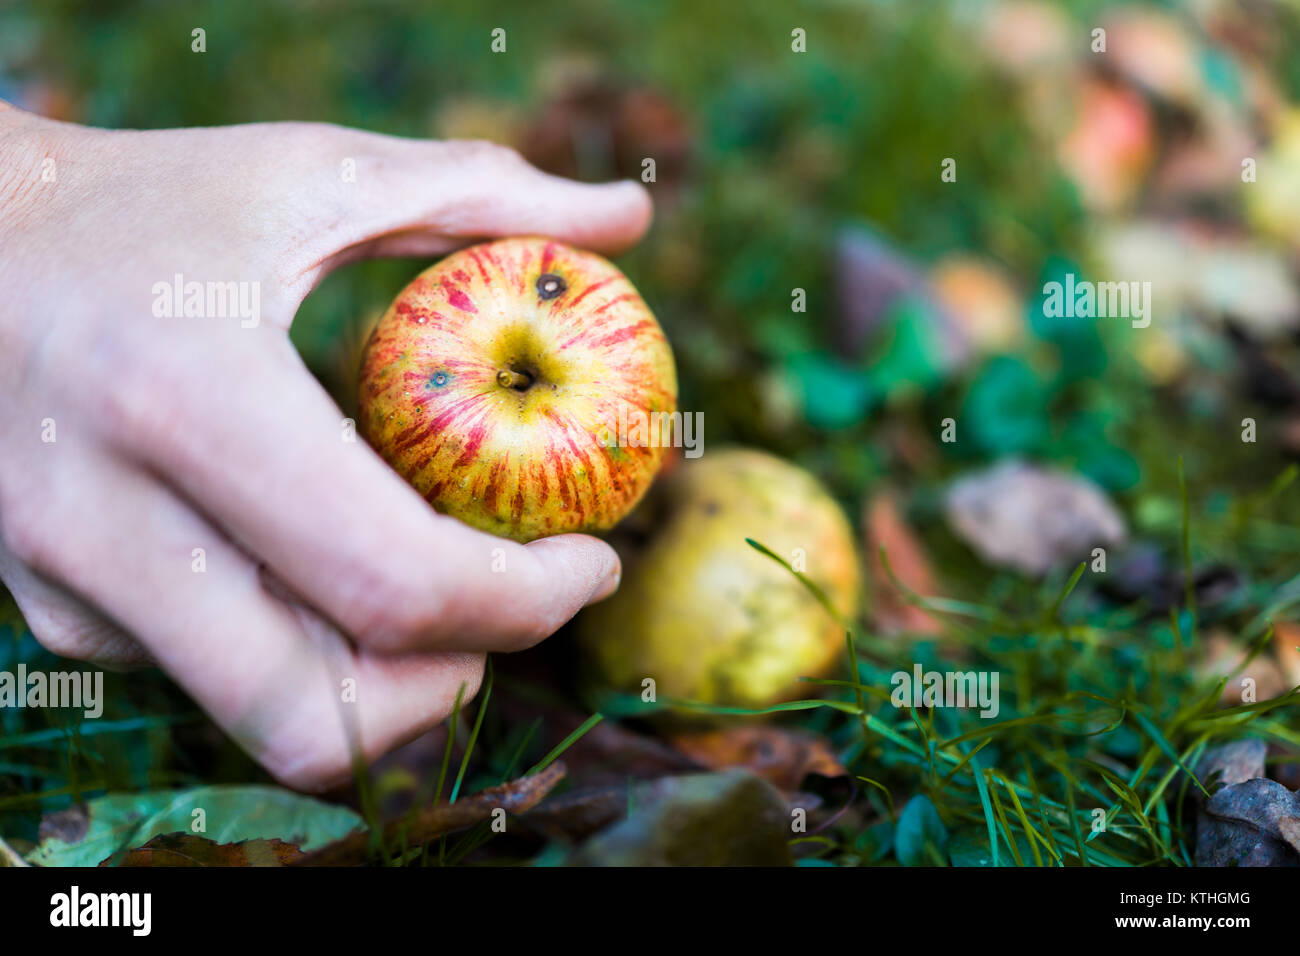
(321, 570)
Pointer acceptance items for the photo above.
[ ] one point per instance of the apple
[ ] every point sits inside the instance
(706, 616)
(497, 380)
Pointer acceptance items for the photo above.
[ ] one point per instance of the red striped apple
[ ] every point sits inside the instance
(496, 383)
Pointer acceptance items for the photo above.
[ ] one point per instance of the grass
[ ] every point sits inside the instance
(1103, 712)
(1102, 720)
(1106, 723)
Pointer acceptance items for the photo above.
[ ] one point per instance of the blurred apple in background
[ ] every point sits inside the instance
(706, 616)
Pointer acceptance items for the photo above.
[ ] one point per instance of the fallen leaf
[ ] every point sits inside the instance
(189, 849)
(982, 300)
(885, 528)
(715, 819)
(1221, 656)
(780, 756)
(86, 834)
(1111, 146)
(420, 827)
(872, 279)
(1253, 823)
(1232, 763)
(1031, 519)
(1286, 648)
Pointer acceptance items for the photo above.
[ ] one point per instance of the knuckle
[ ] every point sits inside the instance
(123, 386)
(125, 412)
(140, 399)
(397, 611)
(28, 536)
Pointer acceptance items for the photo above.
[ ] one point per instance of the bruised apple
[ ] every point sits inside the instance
(706, 616)
(496, 383)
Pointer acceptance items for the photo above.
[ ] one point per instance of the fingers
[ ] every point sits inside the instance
(285, 685)
(383, 196)
(65, 625)
(271, 462)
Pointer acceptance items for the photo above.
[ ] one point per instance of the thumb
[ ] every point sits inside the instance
(400, 197)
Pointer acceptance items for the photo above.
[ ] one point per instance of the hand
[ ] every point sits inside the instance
(178, 491)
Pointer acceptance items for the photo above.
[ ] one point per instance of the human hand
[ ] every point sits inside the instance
(179, 491)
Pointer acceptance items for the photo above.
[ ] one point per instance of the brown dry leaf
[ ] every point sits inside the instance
(1110, 148)
(732, 818)
(1233, 763)
(781, 757)
(189, 849)
(886, 528)
(982, 300)
(1019, 515)
(1286, 648)
(1221, 656)
(1253, 823)
(1289, 827)
(517, 796)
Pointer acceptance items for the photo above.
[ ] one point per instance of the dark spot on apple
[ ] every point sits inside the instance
(438, 380)
(712, 507)
(550, 286)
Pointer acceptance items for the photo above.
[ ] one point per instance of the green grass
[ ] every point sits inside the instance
(1102, 710)
(1101, 717)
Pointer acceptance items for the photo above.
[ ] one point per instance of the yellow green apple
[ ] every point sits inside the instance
(704, 615)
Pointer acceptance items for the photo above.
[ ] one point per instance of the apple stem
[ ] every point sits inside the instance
(509, 378)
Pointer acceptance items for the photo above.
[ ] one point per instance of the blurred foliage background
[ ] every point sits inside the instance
(821, 171)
